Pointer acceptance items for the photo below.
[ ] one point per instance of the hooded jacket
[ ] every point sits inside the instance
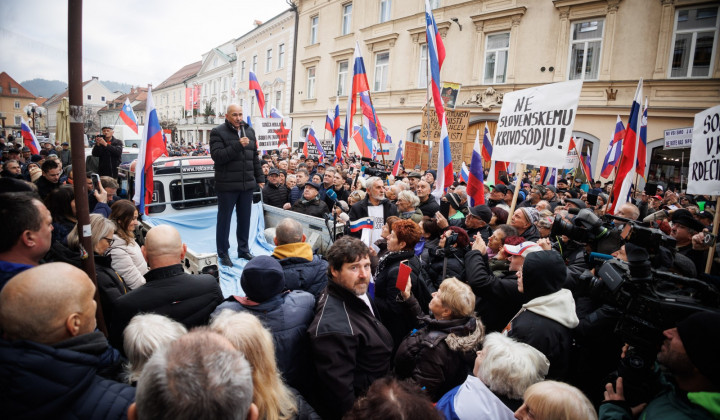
(237, 167)
(547, 320)
(439, 355)
(60, 382)
(303, 269)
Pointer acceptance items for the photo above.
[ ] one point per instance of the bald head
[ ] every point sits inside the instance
(288, 231)
(163, 242)
(47, 304)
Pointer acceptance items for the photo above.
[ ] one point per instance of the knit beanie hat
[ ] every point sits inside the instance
(262, 278)
(702, 345)
(531, 214)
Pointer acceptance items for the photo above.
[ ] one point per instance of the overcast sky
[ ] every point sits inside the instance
(130, 41)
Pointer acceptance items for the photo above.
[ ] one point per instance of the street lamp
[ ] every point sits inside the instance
(33, 111)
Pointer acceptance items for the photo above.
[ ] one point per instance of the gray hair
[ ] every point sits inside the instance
(370, 181)
(401, 185)
(410, 197)
(199, 375)
(100, 227)
(509, 366)
(288, 231)
(461, 191)
(144, 335)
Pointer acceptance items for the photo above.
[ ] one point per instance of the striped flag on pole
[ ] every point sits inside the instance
(152, 147)
(436, 56)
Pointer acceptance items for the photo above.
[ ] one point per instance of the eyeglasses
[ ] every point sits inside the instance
(110, 241)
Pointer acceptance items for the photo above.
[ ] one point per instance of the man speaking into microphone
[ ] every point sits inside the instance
(238, 171)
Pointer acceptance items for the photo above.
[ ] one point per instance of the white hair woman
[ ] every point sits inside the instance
(274, 400)
(504, 369)
(144, 335)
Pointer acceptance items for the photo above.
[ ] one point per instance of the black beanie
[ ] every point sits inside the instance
(702, 343)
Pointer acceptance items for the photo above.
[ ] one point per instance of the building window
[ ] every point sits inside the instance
(102, 98)
(382, 63)
(585, 50)
(242, 70)
(13, 91)
(314, 29)
(347, 19)
(18, 119)
(342, 78)
(496, 55)
(694, 38)
(17, 104)
(423, 69)
(267, 97)
(278, 99)
(268, 61)
(311, 82)
(385, 10)
(281, 56)
(89, 97)
(254, 64)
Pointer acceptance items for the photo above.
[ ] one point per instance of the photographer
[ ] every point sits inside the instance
(448, 258)
(108, 150)
(684, 227)
(692, 382)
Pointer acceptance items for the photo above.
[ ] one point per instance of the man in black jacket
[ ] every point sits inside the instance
(374, 205)
(275, 193)
(351, 347)
(50, 178)
(237, 172)
(169, 291)
(310, 203)
(108, 150)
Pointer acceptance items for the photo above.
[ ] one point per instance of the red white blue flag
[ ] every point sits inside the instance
(585, 163)
(311, 137)
(464, 173)
(444, 163)
(255, 85)
(398, 158)
(152, 147)
(336, 133)
(359, 84)
(359, 224)
(29, 138)
(612, 157)
(128, 116)
(475, 185)
(368, 111)
(436, 55)
(363, 141)
(626, 170)
(642, 144)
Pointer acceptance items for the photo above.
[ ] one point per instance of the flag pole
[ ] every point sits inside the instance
(521, 167)
(711, 250)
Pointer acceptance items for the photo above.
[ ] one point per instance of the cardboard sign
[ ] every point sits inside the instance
(535, 125)
(704, 176)
(272, 133)
(413, 153)
(457, 125)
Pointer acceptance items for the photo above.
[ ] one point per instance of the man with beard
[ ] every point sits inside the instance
(375, 206)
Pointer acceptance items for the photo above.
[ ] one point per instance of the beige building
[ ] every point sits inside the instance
(14, 99)
(497, 46)
(169, 98)
(95, 97)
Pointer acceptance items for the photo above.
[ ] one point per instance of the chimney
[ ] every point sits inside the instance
(149, 86)
(257, 22)
(95, 78)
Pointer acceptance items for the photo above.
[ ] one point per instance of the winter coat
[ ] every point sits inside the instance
(9, 270)
(429, 207)
(439, 355)
(455, 264)
(473, 400)
(237, 167)
(43, 382)
(287, 317)
(45, 187)
(296, 193)
(186, 298)
(416, 216)
(315, 207)
(531, 234)
(128, 261)
(61, 228)
(303, 270)
(110, 284)
(497, 298)
(109, 157)
(360, 210)
(275, 195)
(350, 349)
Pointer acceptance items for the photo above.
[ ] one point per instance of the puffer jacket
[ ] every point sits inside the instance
(43, 382)
(315, 207)
(237, 168)
(275, 195)
(439, 356)
(110, 284)
(128, 261)
(303, 270)
(287, 317)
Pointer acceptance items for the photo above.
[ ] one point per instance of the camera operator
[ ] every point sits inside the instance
(684, 227)
(448, 258)
(691, 382)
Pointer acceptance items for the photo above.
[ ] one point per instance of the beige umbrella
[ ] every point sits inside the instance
(62, 131)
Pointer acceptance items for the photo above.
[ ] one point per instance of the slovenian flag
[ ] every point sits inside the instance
(464, 173)
(336, 133)
(398, 158)
(363, 141)
(444, 163)
(642, 144)
(475, 185)
(311, 137)
(436, 54)
(626, 170)
(585, 162)
(255, 85)
(612, 157)
(359, 224)
(151, 148)
(128, 116)
(359, 84)
(29, 138)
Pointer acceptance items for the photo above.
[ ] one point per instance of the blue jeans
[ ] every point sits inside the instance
(242, 202)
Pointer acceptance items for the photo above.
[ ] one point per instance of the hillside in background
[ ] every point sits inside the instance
(48, 88)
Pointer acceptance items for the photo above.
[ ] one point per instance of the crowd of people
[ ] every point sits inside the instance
(495, 320)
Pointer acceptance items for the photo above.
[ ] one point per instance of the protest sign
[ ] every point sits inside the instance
(457, 125)
(414, 153)
(272, 133)
(535, 125)
(572, 159)
(328, 147)
(704, 177)
(449, 92)
(678, 138)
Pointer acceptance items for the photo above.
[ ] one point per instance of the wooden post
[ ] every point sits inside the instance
(519, 169)
(711, 250)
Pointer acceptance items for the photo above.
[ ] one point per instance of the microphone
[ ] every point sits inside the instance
(332, 194)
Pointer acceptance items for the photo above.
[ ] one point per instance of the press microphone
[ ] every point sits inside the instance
(332, 194)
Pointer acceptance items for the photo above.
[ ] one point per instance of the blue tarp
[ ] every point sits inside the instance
(197, 229)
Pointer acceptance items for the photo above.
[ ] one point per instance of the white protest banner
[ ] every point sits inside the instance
(535, 124)
(678, 138)
(271, 133)
(704, 177)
